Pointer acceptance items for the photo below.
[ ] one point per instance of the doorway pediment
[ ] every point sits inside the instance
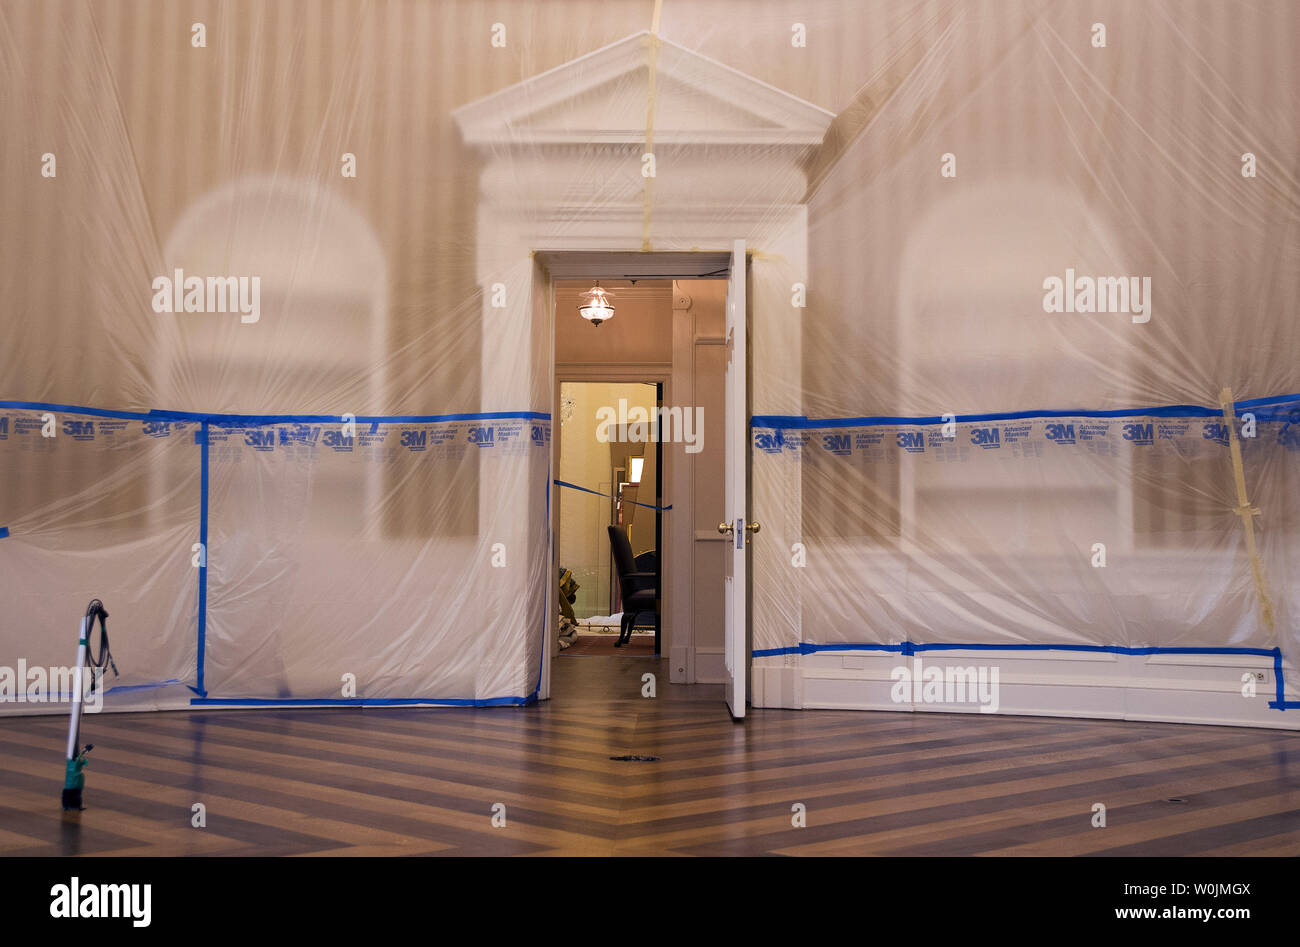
(603, 97)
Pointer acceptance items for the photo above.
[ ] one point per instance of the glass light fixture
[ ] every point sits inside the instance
(596, 307)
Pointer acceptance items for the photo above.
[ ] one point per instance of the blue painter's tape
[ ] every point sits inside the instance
(793, 423)
(260, 420)
(574, 486)
(1270, 400)
(787, 422)
(798, 422)
(1283, 411)
(550, 544)
(131, 688)
(359, 701)
(120, 689)
(4, 532)
(256, 420)
(203, 560)
(910, 647)
(76, 409)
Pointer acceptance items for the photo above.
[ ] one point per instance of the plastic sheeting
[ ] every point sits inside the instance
(1012, 151)
(363, 455)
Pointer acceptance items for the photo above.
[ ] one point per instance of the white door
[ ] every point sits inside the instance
(734, 525)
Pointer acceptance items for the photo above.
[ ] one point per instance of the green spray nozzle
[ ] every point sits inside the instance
(74, 777)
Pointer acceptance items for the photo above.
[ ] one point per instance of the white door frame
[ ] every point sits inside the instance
(587, 264)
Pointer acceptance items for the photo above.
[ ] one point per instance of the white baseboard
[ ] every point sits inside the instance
(696, 665)
(1200, 689)
(681, 665)
(710, 666)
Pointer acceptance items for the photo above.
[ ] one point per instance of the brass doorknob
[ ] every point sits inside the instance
(753, 527)
(726, 528)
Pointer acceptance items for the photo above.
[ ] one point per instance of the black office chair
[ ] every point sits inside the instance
(638, 590)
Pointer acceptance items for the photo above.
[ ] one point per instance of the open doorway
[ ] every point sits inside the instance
(609, 537)
(640, 443)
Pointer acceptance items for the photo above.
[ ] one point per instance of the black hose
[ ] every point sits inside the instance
(105, 657)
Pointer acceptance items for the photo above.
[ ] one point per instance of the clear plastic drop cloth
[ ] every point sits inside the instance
(1047, 256)
(275, 379)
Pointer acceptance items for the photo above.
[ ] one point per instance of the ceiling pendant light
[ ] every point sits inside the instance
(596, 307)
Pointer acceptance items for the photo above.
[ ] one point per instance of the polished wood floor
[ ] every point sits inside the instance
(639, 645)
(412, 781)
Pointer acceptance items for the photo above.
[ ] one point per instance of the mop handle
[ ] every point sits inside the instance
(74, 723)
(73, 780)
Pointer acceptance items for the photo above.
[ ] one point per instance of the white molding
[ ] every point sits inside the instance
(710, 666)
(616, 263)
(1057, 684)
(1214, 660)
(775, 117)
(534, 203)
(606, 371)
(650, 289)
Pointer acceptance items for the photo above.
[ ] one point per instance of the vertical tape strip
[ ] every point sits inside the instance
(203, 557)
(1280, 686)
(546, 619)
(650, 127)
(1247, 514)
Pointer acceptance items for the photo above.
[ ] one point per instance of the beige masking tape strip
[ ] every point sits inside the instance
(650, 125)
(1247, 513)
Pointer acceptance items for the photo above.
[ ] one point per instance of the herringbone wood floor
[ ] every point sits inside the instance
(414, 781)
